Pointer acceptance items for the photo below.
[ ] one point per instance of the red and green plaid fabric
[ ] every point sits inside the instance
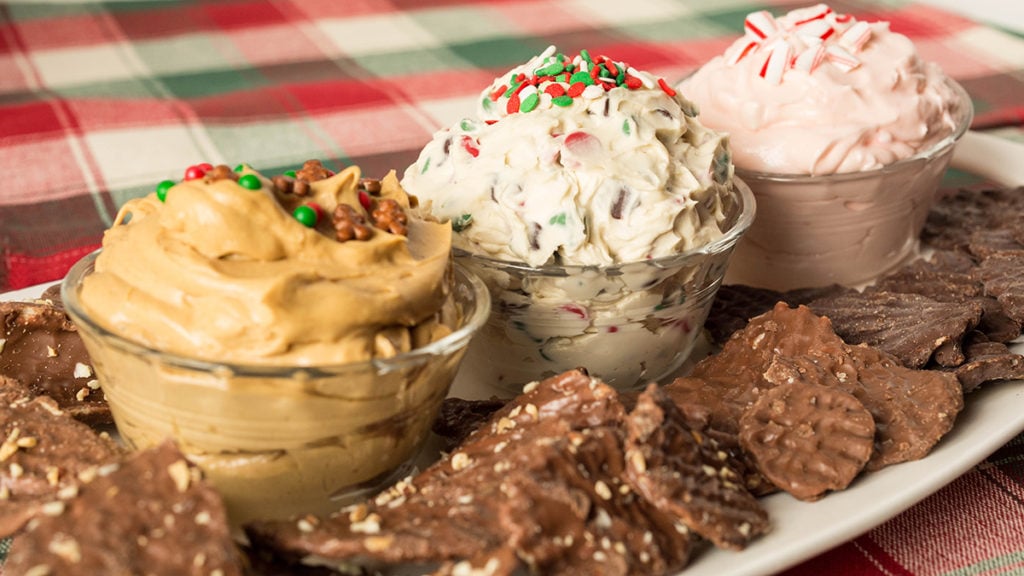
(99, 101)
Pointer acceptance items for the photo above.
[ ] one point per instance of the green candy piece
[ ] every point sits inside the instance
(558, 219)
(550, 70)
(250, 182)
(162, 188)
(289, 173)
(625, 127)
(512, 89)
(462, 222)
(530, 102)
(581, 77)
(468, 125)
(586, 56)
(563, 101)
(305, 215)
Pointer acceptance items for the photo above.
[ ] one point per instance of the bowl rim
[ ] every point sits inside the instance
(964, 115)
(744, 219)
(448, 344)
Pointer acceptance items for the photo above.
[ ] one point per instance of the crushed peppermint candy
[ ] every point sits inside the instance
(801, 41)
(557, 80)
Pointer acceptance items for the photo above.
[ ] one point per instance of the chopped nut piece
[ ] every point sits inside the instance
(82, 370)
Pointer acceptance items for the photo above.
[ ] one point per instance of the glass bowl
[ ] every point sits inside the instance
(280, 441)
(628, 324)
(844, 228)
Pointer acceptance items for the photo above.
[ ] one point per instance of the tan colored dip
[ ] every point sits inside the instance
(245, 335)
(222, 272)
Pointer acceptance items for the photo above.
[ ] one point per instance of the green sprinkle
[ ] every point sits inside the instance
(512, 89)
(462, 222)
(240, 167)
(586, 56)
(250, 182)
(289, 173)
(486, 103)
(581, 77)
(426, 166)
(563, 101)
(621, 78)
(530, 102)
(558, 219)
(162, 188)
(570, 68)
(550, 69)
(625, 127)
(468, 125)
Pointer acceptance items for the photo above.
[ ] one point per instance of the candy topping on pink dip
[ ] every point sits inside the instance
(816, 92)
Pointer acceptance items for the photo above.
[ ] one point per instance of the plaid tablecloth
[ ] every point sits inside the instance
(101, 100)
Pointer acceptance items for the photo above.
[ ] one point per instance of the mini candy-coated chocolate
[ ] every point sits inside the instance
(250, 181)
(307, 215)
(162, 188)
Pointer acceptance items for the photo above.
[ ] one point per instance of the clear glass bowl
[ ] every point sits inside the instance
(280, 441)
(627, 323)
(841, 228)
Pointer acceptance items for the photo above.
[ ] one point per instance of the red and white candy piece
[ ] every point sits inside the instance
(779, 54)
(815, 31)
(841, 58)
(816, 12)
(761, 24)
(741, 51)
(854, 37)
(810, 59)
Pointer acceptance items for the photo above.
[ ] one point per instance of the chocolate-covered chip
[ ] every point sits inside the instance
(988, 361)
(40, 347)
(687, 474)
(908, 326)
(44, 454)
(151, 514)
(808, 438)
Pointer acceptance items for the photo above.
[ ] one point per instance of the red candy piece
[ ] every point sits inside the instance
(364, 200)
(581, 143)
(576, 89)
(665, 87)
(318, 209)
(574, 309)
(555, 90)
(513, 104)
(632, 82)
(470, 146)
(197, 171)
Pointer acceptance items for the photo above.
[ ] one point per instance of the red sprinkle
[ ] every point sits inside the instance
(489, 122)
(613, 329)
(665, 87)
(470, 146)
(498, 92)
(632, 82)
(512, 106)
(576, 89)
(555, 90)
(365, 201)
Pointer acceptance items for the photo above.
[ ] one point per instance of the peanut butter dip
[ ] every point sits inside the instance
(218, 271)
(260, 323)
